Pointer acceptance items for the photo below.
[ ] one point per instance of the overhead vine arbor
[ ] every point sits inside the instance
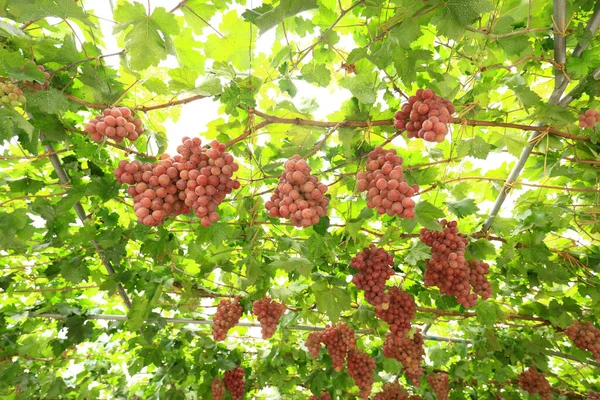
(385, 199)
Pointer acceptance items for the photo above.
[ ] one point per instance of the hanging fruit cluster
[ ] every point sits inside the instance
(116, 123)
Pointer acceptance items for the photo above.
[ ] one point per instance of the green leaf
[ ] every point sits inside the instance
(362, 86)
(317, 74)
(74, 269)
(486, 313)
(427, 215)
(286, 85)
(462, 208)
(302, 265)
(476, 147)
(407, 33)
(265, 17)
(331, 300)
(419, 251)
(49, 101)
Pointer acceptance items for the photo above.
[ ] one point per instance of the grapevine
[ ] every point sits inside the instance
(585, 336)
(589, 119)
(392, 391)
(11, 95)
(398, 312)
(361, 367)
(268, 312)
(218, 388)
(299, 196)
(227, 316)
(116, 123)
(425, 115)
(197, 179)
(386, 186)
(234, 381)
(440, 385)
(409, 351)
(534, 382)
(374, 269)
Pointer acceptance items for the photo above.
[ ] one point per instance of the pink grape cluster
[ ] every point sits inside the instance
(425, 115)
(533, 382)
(440, 385)
(198, 179)
(593, 396)
(361, 367)
(585, 336)
(218, 389)
(234, 381)
(227, 316)
(398, 312)
(409, 351)
(116, 123)
(322, 396)
(338, 340)
(589, 119)
(387, 189)
(374, 269)
(392, 391)
(477, 278)
(299, 196)
(268, 312)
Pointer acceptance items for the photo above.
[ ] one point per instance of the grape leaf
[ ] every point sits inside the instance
(331, 300)
(463, 207)
(427, 215)
(266, 17)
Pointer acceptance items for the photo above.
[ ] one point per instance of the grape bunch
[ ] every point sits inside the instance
(477, 279)
(414, 397)
(313, 343)
(268, 313)
(197, 179)
(218, 389)
(425, 115)
(338, 340)
(399, 312)
(585, 336)
(409, 351)
(447, 268)
(116, 123)
(36, 86)
(386, 186)
(593, 396)
(227, 316)
(532, 382)
(361, 367)
(299, 196)
(374, 266)
(322, 396)
(392, 391)
(589, 119)
(11, 95)
(440, 385)
(234, 381)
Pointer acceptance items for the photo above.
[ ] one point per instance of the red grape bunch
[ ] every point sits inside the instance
(386, 187)
(313, 343)
(234, 381)
(36, 86)
(227, 316)
(338, 340)
(322, 396)
(534, 382)
(268, 312)
(585, 336)
(477, 279)
(10, 94)
(299, 196)
(392, 391)
(374, 266)
(399, 312)
(425, 115)
(447, 268)
(408, 351)
(116, 123)
(440, 385)
(218, 389)
(589, 119)
(361, 367)
(593, 396)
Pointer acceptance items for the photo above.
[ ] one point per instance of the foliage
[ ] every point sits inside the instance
(322, 79)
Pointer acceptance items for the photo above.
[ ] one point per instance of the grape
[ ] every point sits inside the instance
(313, 343)
(268, 312)
(116, 123)
(234, 381)
(227, 316)
(409, 351)
(477, 279)
(425, 115)
(11, 95)
(447, 268)
(36, 86)
(589, 119)
(386, 187)
(534, 382)
(585, 336)
(299, 196)
(593, 396)
(218, 389)
(397, 311)
(392, 391)
(337, 339)
(374, 266)
(440, 385)
(361, 367)
(322, 396)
